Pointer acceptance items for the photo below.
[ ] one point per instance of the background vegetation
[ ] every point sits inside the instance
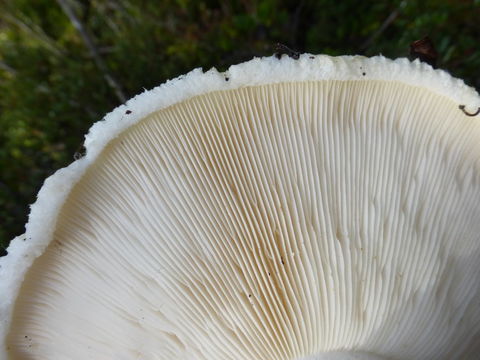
(65, 63)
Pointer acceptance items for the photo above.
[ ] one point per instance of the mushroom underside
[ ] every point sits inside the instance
(269, 222)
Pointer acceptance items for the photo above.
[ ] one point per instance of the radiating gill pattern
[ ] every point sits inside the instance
(269, 223)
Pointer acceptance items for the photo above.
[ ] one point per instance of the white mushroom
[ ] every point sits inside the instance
(319, 208)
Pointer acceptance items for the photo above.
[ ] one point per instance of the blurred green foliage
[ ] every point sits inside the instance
(53, 86)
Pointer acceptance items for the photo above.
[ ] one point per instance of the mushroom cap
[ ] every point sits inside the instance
(319, 208)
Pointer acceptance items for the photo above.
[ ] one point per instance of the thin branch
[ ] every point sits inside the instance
(388, 21)
(4, 66)
(34, 31)
(295, 23)
(92, 48)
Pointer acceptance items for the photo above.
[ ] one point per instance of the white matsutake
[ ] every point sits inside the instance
(319, 208)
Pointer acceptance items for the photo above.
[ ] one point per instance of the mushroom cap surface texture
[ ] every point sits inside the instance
(319, 208)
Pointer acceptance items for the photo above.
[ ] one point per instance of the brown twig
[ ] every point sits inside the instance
(462, 107)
